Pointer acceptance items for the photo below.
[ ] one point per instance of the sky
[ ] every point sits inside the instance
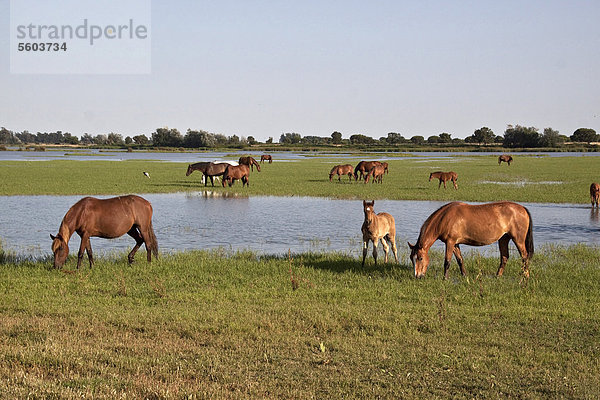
(263, 68)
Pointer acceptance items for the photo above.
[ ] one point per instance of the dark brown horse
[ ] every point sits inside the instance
(378, 227)
(266, 157)
(474, 225)
(235, 172)
(595, 194)
(443, 177)
(109, 219)
(364, 167)
(208, 169)
(250, 162)
(342, 169)
(377, 173)
(506, 158)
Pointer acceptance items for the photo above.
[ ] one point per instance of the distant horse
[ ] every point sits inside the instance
(474, 225)
(595, 194)
(266, 157)
(443, 177)
(109, 219)
(378, 227)
(385, 167)
(339, 170)
(377, 173)
(235, 172)
(364, 167)
(208, 169)
(250, 162)
(506, 158)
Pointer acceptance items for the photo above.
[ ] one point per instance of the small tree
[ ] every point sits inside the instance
(551, 138)
(584, 135)
(482, 135)
(520, 136)
(417, 140)
(336, 137)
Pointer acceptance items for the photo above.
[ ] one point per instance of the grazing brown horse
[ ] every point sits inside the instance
(109, 219)
(266, 157)
(250, 162)
(595, 194)
(209, 169)
(474, 225)
(378, 227)
(377, 173)
(364, 167)
(506, 158)
(235, 172)
(444, 177)
(339, 170)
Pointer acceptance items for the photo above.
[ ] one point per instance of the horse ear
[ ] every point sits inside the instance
(364, 203)
(410, 245)
(52, 236)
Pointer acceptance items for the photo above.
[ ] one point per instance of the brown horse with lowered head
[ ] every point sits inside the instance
(595, 194)
(505, 158)
(377, 173)
(444, 177)
(235, 172)
(342, 169)
(364, 167)
(266, 157)
(109, 219)
(474, 225)
(208, 169)
(378, 227)
(250, 162)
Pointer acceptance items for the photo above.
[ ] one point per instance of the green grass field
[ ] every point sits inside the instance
(528, 179)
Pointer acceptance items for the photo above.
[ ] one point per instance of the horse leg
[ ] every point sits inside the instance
(82, 247)
(392, 242)
(448, 258)
(440, 184)
(459, 260)
(503, 246)
(375, 242)
(212, 181)
(385, 249)
(455, 185)
(365, 250)
(139, 240)
(524, 257)
(88, 249)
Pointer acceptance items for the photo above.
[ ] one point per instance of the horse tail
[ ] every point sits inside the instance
(151, 241)
(529, 236)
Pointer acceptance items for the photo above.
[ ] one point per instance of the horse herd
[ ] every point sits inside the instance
(228, 172)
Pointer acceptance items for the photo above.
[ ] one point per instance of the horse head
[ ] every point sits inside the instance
(430, 176)
(368, 210)
(189, 170)
(60, 248)
(420, 259)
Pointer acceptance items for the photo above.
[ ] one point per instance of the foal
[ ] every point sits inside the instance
(378, 227)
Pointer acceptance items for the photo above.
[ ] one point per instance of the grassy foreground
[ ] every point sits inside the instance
(216, 325)
(528, 179)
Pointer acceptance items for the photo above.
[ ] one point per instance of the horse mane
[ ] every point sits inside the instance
(432, 222)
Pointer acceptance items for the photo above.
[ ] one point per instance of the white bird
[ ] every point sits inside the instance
(147, 174)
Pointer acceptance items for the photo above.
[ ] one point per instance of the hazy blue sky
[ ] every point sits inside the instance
(262, 68)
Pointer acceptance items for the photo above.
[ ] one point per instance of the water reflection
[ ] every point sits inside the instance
(271, 225)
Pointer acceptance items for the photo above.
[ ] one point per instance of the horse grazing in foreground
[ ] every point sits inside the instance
(266, 157)
(474, 225)
(250, 162)
(343, 169)
(506, 158)
(235, 172)
(377, 173)
(444, 177)
(208, 169)
(595, 194)
(378, 227)
(109, 219)
(364, 167)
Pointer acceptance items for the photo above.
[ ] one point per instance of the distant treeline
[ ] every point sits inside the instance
(516, 136)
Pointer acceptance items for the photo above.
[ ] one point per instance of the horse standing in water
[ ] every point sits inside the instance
(339, 170)
(266, 157)
(444, 177)
(250, 162)
(109, 219)
(377, 173)
(364, 167)
(474, 225)
(595, 194)
(378, 227)
(208, 169)
(234, 172)
(506, 158)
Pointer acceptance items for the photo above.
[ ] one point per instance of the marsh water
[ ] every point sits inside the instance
(266, 225)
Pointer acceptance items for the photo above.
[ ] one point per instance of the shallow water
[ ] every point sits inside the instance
(266, 225)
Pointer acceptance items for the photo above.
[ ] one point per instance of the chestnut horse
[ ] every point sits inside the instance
(339, 170)
(506, 158)
(208, 169)
(266, 157)
(443, 177)
(378, 227)
(109, 219)
(474, 225)
(364, 167)
(595, 194)
(250, 162)
(234, 172)
(377, 173)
